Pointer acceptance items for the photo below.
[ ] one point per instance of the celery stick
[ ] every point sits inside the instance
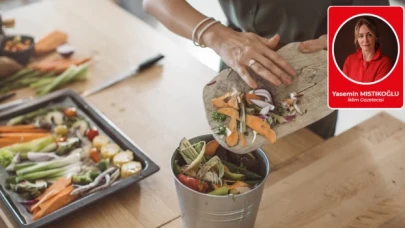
(57, 81)
(41, 82)
(70, 169)
(73, 158)
(16, 76)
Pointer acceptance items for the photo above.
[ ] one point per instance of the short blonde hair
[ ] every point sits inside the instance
(370, 23)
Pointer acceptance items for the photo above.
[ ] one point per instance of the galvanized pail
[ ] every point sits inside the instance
(203, 210)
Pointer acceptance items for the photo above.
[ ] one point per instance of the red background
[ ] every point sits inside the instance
(337, 82)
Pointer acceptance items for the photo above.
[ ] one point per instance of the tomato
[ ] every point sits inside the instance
(91, 133)
(70, 112)
(193, 183)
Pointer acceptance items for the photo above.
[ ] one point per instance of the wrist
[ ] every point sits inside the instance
(214, 36)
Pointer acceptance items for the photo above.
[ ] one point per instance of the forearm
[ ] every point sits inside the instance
(177, 15)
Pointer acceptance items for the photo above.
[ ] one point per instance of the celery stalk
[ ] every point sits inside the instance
(73, 158)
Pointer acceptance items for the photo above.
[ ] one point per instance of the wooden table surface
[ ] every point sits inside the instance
(352, 180)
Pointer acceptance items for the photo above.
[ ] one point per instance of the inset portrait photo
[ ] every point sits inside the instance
(365, 49)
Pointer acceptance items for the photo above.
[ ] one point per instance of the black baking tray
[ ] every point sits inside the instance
(105, 126)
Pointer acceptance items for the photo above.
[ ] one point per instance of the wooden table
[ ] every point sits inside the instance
(312, 184)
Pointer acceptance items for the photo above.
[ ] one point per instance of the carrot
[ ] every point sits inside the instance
(211, 148)
(238, 184)
(50, 42)
(94, 155)
(61, 67)
(24, 135)
(254, 122)
(55, 188)
(17, 128)
(232, 139)
(252, 96)
(57, 66)
(233, 103)
(56, 202)
(10, 141)
(221, 102)
(262, 127)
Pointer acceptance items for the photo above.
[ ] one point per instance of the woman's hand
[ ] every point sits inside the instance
(314, 45)
(247, 51)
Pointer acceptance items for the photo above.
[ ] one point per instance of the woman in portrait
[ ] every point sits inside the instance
(367, 64)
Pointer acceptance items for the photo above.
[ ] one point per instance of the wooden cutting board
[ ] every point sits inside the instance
(311, 81)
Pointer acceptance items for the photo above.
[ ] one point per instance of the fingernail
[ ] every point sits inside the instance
(293, 72)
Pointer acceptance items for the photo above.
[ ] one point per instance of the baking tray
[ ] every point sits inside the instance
(105, 126)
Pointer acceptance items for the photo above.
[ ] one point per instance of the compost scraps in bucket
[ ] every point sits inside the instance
(209, 168)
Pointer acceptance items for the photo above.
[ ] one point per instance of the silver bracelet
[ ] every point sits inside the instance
(193, 37)
(202, 31)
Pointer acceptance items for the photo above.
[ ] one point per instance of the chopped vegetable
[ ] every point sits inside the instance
(211, 148)
(91, 133)
(221, 102)
(66, 147)
(229, 112)
(130, 169)
(218, 117)
(248, 174)
(29, 190)
(193, 183)
(58, 201)
(104, 164)
(82, 126)
(100, 140)
(84, 179)
(109, 150)
(55, 117)
(94, 155)
(250, 96)
(70, 112)
(61, 130)
(122, 158)
(232, 139)
(221, 130)
(176, 168)
(95, 183)
(197, 160)
(264, 93)
(27, 117)
(7, 153)
(222, 191)
(38, 156)
(233, 176)
(60, 162)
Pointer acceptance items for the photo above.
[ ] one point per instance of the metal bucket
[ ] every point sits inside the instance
(203, 210)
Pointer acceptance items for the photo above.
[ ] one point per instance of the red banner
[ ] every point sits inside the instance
(365, 57)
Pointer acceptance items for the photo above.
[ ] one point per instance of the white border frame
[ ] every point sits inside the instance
(399, 51)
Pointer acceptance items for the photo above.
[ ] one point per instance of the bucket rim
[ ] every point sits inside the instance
(203, 137)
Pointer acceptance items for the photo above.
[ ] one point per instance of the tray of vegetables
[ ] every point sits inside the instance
(59, 154)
